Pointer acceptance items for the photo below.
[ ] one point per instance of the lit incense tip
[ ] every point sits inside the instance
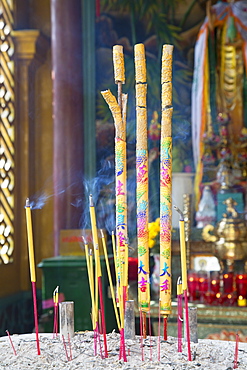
(27, 202)
(91, 200)
(179, 286)
(180, 213)
(56, 290)
(102, 233)
(84, 240)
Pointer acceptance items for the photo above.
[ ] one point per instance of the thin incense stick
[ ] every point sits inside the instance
(11, 342)
(141, 334)
(98, 338)
(110, 279)
(150, 332)
(98, 270)
(166, 184)
(159, 334)
(235, 366)
(179, 313)
(165, 327)
(90, 279)
(65, 348)
(184, 277)
(70, 348)
(55, 302)
(116, 266)
(32, 270)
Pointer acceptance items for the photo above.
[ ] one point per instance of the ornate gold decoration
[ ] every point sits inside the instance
(7, 115)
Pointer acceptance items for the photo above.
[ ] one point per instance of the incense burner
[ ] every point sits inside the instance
(229, 237)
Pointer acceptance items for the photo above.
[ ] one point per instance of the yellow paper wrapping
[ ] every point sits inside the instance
(142, 179)
(118, 63)
(166, 181)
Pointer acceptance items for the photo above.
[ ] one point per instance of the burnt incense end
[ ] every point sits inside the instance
(27, 202)
(180, 213)
(84, 240)
(91, 204)
(101, 233)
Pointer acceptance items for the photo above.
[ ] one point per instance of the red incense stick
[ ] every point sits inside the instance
(141, 334)
(65, 348)
(123, 345)
(150, 332)
(102, 314)
(36, 316)
(165, 327)
(98, 337)
(159, 334)
(235, 366)
(179, 313)
(12, 345)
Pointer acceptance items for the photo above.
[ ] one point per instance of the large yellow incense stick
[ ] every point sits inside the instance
(166, 181)
(142, 178)
(118, 109)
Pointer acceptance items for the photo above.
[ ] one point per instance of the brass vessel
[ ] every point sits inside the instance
(229, 237)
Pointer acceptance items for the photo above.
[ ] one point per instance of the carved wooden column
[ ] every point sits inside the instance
(30, 49)
(67, 114)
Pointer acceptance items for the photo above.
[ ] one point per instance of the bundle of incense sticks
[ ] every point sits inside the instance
(110, 281)
(89, 260)
(166, 184)
(142, 208)
(98, 274)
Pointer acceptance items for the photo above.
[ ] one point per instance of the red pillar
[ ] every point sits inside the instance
(66, 41)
